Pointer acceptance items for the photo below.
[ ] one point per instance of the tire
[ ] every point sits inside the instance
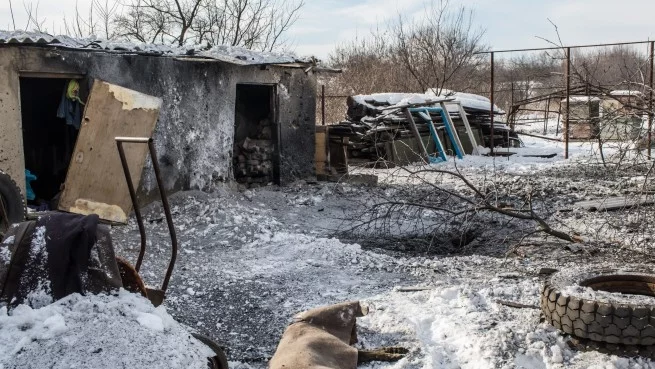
(14, 203)
(219, 361)
(598, 316)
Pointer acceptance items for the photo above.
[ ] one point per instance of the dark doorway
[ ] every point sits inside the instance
(256, 136)
(48, 141)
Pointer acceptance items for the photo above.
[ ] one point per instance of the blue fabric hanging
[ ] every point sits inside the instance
(29, 192)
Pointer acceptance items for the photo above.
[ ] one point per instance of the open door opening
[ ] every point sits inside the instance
(49, 134)
(256, 136)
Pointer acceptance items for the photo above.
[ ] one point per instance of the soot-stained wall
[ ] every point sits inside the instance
(194, 134)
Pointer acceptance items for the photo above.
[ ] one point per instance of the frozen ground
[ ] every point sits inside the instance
(97, 331)
(251, 260)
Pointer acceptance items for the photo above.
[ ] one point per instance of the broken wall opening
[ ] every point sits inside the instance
(256, 136)
(50, 127)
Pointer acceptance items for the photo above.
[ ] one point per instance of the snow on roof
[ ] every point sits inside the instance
(229, 54)
(625, 93)
(582, 99)
(97, 331)
(383, 102)
(395, 98)
(468, 101)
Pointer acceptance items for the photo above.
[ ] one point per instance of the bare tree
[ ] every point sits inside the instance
(255, 24)
(11, 11)
(140, 25)
(364, 61)
(99, 18)
(442, 49)
(33, 19)
(106, 10)
(406, 55)
(437, 51)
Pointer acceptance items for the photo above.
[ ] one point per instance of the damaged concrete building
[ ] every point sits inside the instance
(228, 114)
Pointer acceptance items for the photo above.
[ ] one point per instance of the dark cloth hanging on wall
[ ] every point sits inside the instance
(70, 110)
(70, 105)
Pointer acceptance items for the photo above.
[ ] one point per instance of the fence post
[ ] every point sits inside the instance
(546, 114)
(512, 123)
(568, 98)
(650, 99)
(491, 108)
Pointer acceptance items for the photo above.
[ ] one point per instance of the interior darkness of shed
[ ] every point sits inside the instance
(48, 141)
(256, 158)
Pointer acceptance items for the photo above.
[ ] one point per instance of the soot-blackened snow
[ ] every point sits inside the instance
(251, 260)
(97, 331)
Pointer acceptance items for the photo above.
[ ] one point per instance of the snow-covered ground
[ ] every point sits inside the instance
(97, 331)
(249, 260)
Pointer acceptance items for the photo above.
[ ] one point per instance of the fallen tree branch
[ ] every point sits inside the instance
(516, 304)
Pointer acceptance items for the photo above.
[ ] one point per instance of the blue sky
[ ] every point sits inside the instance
(508, 23)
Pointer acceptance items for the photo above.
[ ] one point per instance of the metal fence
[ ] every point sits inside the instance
(332, 107)
(567, 90)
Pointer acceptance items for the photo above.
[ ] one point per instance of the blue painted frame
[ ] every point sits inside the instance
(424, 113)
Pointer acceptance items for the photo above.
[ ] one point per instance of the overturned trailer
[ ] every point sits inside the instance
(227, 114)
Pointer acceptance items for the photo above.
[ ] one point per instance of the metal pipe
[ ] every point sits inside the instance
(568, 98)
(167, 212)
(538, 136)
(137, 212)
(323, 105)
(559, 117)
(133, 139)
(563, 47)
(511, 107)
(491, 107)
(650, 99)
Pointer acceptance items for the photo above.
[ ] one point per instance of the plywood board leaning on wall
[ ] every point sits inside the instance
(95, 183)
(320, 155)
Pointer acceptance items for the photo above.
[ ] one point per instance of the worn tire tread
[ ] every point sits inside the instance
(600, 323)
(14, 200)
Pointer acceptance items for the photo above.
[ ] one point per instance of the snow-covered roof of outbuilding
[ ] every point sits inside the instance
(626, 93)
(229, 54)
(582, 99)
(469, 101)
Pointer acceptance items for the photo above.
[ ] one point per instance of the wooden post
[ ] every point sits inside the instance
(320, 153)
(323, 105)
(546, 116)
(467, 126)
(417, 134)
